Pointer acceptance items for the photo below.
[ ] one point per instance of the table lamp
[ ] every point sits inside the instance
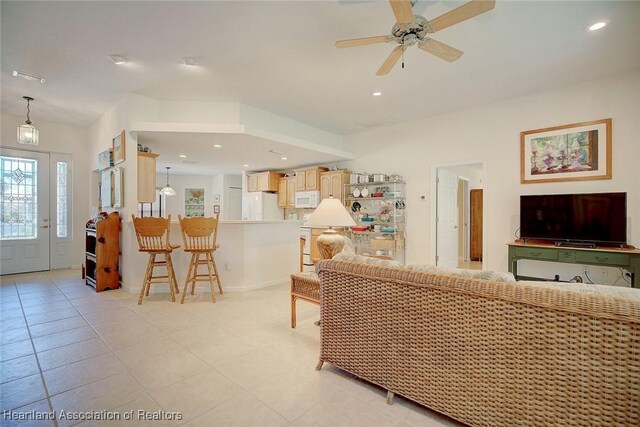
(330, 213)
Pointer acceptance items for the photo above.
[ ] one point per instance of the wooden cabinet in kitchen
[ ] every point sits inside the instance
(332, 184)
(263, 181)
(308, 179)
(291, 192)
(287, 192)
(146, 177)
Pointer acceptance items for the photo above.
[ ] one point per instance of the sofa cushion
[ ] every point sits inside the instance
(346, 256)
(588, 288)
(496, 276)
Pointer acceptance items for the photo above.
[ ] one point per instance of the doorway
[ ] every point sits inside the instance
(458, 216)
(35, 218)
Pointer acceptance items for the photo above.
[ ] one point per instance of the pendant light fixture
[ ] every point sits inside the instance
(27, 133)
(167, 190)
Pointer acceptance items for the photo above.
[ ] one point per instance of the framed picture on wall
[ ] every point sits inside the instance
(118, 148)
(118, 200)
(575, 152)
(105, 189)
(216, 209)
(105, 159)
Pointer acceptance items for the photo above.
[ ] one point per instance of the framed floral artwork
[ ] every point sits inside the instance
(118, 148)
(575, 152)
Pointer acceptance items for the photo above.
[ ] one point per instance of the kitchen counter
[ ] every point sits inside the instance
(252, 255)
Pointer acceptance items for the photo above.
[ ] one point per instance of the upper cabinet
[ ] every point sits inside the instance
(146, 177)
(308, 179)
(287, 192)
(263, 181)
(332, 184)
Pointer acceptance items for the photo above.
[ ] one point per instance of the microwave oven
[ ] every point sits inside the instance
(307, 199)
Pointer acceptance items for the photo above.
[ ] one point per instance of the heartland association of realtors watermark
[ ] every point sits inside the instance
(133, 415)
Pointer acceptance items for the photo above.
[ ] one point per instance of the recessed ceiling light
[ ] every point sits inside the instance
(117, 59)
(182, 156)
(283, 158)
(376, 93)
(217, 146)
(29, 77)
(245, 166)
(597, 26)
(189, 60)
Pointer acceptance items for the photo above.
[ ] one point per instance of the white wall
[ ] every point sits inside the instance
(491, 133)
(472, 172)
(57, 138)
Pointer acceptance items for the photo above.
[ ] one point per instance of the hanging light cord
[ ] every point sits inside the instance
(28, 111)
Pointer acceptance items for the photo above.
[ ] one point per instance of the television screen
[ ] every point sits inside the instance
(592, 218)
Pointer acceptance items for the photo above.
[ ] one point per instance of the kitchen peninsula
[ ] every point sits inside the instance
(252, 255)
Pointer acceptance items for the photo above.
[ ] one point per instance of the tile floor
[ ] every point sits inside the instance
(236, 362)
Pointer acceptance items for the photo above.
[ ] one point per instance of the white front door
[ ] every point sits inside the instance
(24, 218)
(447, 223)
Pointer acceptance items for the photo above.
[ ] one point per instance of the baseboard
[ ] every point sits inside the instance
(164, 288)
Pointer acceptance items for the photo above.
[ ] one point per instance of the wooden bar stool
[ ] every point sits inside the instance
(153, 238)
(199, 236)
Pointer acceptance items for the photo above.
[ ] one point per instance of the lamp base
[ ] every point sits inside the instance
(330, 243)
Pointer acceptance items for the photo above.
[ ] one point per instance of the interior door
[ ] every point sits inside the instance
(447, 221)
(24, 220)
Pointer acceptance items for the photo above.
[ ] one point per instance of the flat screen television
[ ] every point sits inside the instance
(597, 218)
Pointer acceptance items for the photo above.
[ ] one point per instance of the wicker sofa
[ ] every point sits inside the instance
(483, 352)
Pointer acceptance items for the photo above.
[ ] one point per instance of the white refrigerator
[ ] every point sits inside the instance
(260, 206)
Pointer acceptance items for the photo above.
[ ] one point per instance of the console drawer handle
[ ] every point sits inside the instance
(535, 253)
(601, 259)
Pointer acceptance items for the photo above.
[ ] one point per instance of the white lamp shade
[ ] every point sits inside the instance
(168, 191)
(331, 213)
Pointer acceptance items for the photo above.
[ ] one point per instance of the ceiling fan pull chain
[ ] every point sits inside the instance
(403, 59)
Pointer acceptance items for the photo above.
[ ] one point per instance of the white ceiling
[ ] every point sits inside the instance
(279, 56)
(236, 151)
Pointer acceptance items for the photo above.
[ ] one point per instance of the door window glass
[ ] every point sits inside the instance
(61, 199)
(18, 198)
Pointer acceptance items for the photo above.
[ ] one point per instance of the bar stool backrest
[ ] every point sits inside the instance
(152, 233)
(198, 233)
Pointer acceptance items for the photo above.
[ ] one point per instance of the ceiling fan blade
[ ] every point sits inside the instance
(363, 41)
(402, 10)
(462, 13)
(391, 60)
(441, 50)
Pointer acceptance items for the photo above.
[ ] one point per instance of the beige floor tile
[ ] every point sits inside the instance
(14, 335)
(148, 351)
(34, 319)
(57, 326)
(12, 323)
(252, 369)
(118, 338)
(216, 352)
(244, 410)
(60, 339)
(36, 414)
(80, 373)
(20, 367)
(12, 314)
(15, 349)
(40, 299)
(101, 395)
(169, 369)
(71, 353)
(14, 394)
(197, 394)
(47, 307)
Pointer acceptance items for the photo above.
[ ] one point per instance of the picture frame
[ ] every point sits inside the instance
(574, 152)
(216, 198)
(216, 209)
(105, 189)
(194, 202)
(118, 146)
(105, 159)
(118, 188)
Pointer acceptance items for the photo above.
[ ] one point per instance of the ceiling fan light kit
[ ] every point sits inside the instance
(411, 29)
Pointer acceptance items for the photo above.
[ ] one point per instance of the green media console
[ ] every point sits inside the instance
(628, 259)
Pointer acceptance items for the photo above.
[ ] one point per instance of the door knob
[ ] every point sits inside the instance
(45, 226)
(46, 220)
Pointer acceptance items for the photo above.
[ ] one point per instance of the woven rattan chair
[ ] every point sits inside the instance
(304, 286)
(199, 236)
(153, 238)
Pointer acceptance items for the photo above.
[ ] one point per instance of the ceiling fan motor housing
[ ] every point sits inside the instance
(411, 33)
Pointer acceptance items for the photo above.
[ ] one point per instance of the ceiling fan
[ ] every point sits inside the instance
(413, 29)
